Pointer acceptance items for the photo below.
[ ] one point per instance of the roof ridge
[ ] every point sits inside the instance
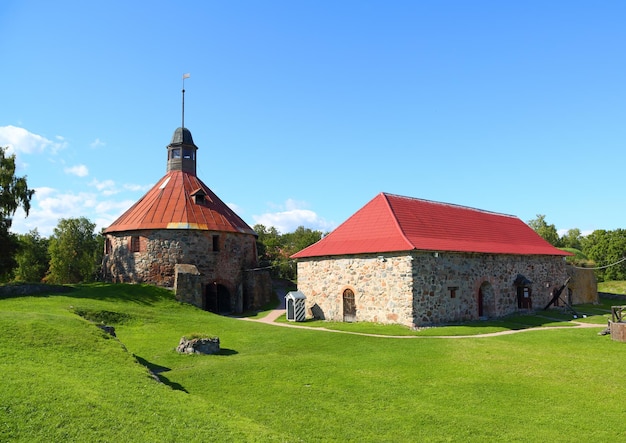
(455, 205)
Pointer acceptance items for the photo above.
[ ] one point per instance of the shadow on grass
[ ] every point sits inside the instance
(226, 352)
(142, 294)
(15, 290)
(157, 373)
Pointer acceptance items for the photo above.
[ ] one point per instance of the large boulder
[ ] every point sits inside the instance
(198, 345)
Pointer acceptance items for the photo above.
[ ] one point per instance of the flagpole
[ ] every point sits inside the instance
(184, 77)
(183, 126)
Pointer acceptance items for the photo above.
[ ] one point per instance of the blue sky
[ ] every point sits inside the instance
(303, 111)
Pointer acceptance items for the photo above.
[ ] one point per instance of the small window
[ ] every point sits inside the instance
(107, 246)
(188, 153)
(198, 199)
(453, 290)
(216, 243)
(134, 244)
(175, 153)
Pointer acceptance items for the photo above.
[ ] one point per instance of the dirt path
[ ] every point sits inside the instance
(273, 315)
(281, 292)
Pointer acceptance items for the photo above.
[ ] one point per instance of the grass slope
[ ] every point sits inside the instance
(613, 287)
(65, 379)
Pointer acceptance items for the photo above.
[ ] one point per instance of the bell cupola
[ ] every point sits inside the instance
(181, 152)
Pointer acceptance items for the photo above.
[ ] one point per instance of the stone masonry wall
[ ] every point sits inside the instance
(188, 284)
(446, 288)
(382, 289)
(162, 250)
(420, 289)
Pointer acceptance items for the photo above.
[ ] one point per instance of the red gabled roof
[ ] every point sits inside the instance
(390, 223)
(170, 205)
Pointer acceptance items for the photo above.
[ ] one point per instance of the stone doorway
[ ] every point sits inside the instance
(218, 299)
(486, 301)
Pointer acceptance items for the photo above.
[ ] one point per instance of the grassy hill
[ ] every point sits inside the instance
(64, 379)
(613, 287)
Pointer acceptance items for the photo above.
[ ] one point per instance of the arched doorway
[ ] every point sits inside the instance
(486, 300)
(349, 306)
(524, 292)
(217, 299)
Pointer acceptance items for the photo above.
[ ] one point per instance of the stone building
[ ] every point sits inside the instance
(417, 262)
(180, 221)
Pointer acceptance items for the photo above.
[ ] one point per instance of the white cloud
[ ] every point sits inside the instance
(235, 207)
(136, 188)
(49, 205)
(44, 192)
(294, 216)
(292, 204)
(78, 170)
(107, 187)
(108, 211)
(97, 143)
(115, 207)
(21, 141)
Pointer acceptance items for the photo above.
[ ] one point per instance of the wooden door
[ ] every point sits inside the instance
(349, 306)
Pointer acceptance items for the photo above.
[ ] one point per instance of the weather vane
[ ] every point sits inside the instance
(184, 77)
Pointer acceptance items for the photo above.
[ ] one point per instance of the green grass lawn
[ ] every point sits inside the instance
(613, 287)
(63, 379)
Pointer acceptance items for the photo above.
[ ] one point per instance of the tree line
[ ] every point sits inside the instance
(601, 249)
(74, 252)
(71, 255)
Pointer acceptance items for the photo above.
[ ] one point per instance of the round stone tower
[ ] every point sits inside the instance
(180, 221)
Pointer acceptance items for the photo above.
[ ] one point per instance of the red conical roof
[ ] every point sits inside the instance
(180, 200)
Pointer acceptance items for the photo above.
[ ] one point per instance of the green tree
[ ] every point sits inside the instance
(572, 239)
(290, 244)
(74, 252)
(268, 248)
(14, 193)
(9, 245)
(606, 248)
(268, 243)
(546, 231)
(274, 248)
(33, 258)
(299, 239)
